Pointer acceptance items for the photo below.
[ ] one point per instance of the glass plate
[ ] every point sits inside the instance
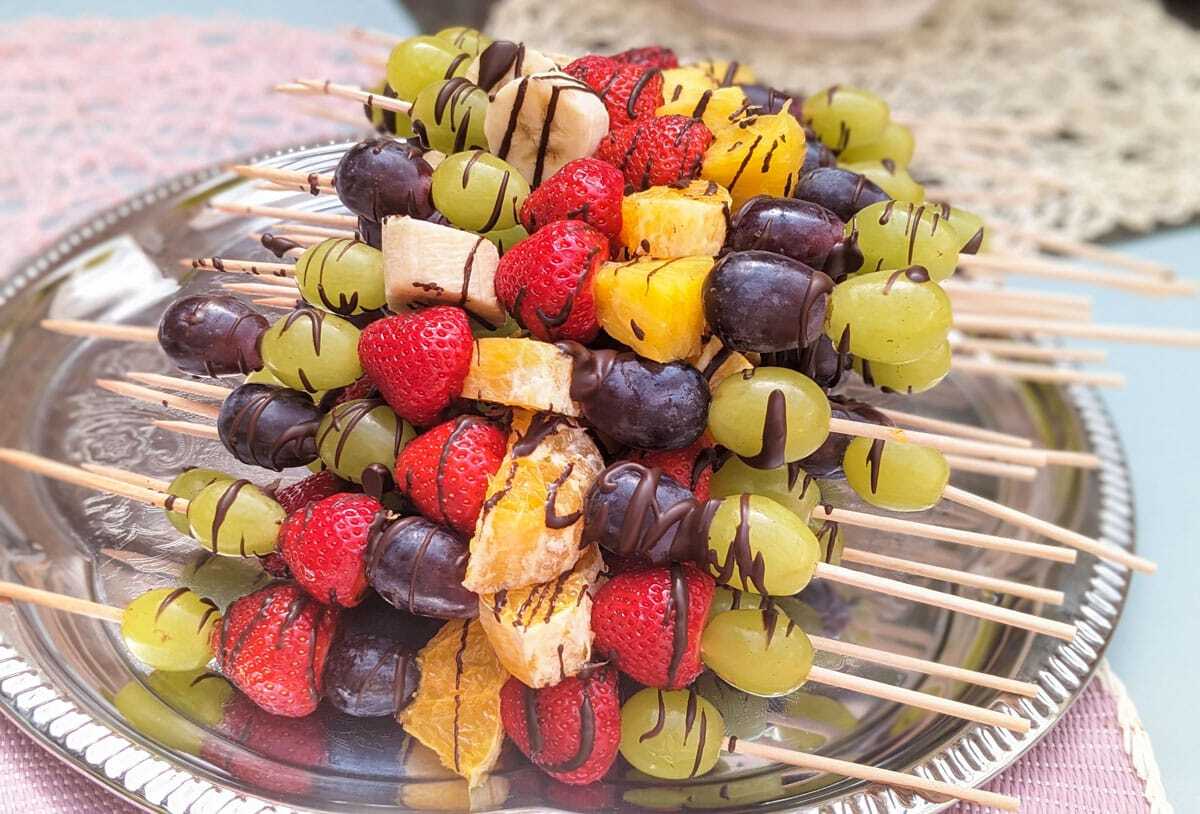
(70, 683)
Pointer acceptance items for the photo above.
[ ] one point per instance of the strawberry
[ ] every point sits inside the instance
(548, 725)
(445, 470)
(691, 466)
(418, 361)
(275, 565)
(629, 91)
(324, 545)
(545, 281)
(585, 189)
(634, 618)
(657, 150)
(317, 486)
(364, 388)
(651, 56)
(272, 645)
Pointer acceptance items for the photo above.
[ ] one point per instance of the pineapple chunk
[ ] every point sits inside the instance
(689, 83)
(717, 362)
(717, 108)
(763, 155)
(675, 222)
(654, 306)
(521, 373)
(725, 72)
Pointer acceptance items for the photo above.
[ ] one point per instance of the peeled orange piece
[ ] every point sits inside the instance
(521, 373)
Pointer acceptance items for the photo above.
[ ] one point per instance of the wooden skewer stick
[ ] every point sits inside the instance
(954, 576)
(351, 92)
(286, 303)
(291, 230)
(1001, 306)
(256, 267)
(133, 478)
(872, 774)
(944, 443)
(917, 699)
(940, 599)
(181, 385)
(312, 182)
(79, 477)
(101, 330)
(287, 213)
(372, 36)
(62, 602)
(963, 463)
(1173, 337)
(260, 289)
(1061, 244)
(189, 428)
(1081, 542)
(959, 285)
(974, 539)
(1059, 270)
(1026, 350)
(921, 422)
(1034, 372)
(150, 396)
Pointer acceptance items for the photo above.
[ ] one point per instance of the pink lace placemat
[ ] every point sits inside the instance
(95, 110)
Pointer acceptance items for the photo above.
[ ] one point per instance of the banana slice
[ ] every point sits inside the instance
(503, 61)
(542, 121)
(429, 263)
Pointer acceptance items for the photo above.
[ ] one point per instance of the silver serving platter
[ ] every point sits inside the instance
(60, 675)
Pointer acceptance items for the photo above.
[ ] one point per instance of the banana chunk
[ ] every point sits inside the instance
(540, 122)
(429, 263)
(503, 61)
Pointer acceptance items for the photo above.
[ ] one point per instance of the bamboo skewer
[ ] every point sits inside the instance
(256, 267)
(1057, 269)
(352, 92)
(314, 183)
(954, 428)
(1063, 245)
(191, 428)
(190, 386)
(943, 443)
(980, 581)
(79, 477)
(1026, 350)
(261, 289)
(288, 214)
(1118, 333)
(1034, 372)
(101, 330)
(1077, 301)
(286, 303)
(68, 604)
(133, 478)
(293, 229)
(962, 463)
(150, 396)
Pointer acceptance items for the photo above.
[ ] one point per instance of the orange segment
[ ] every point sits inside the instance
(456, 711)
(654, 306)
(521, 373)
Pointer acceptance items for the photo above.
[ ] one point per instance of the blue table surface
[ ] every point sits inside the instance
(1155, 650)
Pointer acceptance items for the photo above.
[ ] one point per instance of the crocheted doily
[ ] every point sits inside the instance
(1106, 95)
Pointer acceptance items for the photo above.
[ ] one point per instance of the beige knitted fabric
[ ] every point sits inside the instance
(1102, 96)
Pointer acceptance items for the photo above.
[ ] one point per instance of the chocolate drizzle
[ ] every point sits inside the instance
(875, 462)
(224, 504)
(268, 426)
(677, 608)
(772, 452)
(278, 246)
(751, 566)
(553, 519)
(498, 60)
(167, 601)
(659, 724)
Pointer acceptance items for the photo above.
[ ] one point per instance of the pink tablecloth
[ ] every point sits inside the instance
(95, 110)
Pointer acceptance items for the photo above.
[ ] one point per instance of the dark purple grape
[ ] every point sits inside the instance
(819, 361)
(842, 192)
(826, 462)
(381, 177)
(801, 230)
(772, 100)
(212, 334)
(816, 154)
(268, 426)
(418, 566)
(643, 515)
(762, 301)
(637, 402)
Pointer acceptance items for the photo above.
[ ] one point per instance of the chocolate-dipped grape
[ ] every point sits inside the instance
(890, 316)
(370, 673)
(170, 629)
(418, 566)
(271, 427)
(312, 350)
(789, 486)
(894, 475)
(448, 116)
(356, 435)
(826, 461)
(212, 334)
(638, 402)
(342, 276)
(816, 154)
(819, 361)
(186, 485)
(760, 652)
(773, 100)
(642, 515)
(844, 117)
(770, 416)
(380, 177)
(840, 191)
(671, 734)
(894, 180)
(916, 376)
(801, 230)
(894, 235)
(236, 519)
(896, 144)
(371, 233)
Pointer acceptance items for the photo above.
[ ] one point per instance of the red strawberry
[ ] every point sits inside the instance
(657, 150)
(652, 56)
(634, 617)
(275, 565)
(545, 281)
(418, 361)
(691, 466)
(325, 544)
(628, 91)
(585, 189)
(361, 389)
(548, 724)
(272, 645)
(318, 486)
(445, 470)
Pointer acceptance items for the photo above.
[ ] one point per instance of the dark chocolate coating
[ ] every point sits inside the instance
(842, 192)
(418, 567)
(644, 516)
(801, 230)
(819, 361)
(761, 301)
(368, 675)
(381, 177)
(212, 335)
(826, 461)
(268, 426)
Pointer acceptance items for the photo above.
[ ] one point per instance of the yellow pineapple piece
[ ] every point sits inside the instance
(531, 524)
(672, 222)
(717, 362)
(654, 306)
(456, 710)
(762, 155)
(521, 372)
(718, 108)
(726, 72)
(543, 633)
(686, 83)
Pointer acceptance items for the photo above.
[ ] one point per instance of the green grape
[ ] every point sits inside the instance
(388, 121)
(356, 434)
(759, 546)
(895, 475)
(505, 239)
(235, 519)
(223, 579)
(896, 144)
(479, 192)
(186, 485)
(789, 486)
(448, 116)
(170, 629)
(845, 117)
(671, 734)
(831, 539)
(891, 316)
(762, 652)
(342, 276)
(769, 415)
(745, 715)
(312, 350)
(420, 61)
(894, 235)
(971, 230)
(916, 376)
(168, 711)
(820, 715)
(471, 40)
(890, 177)
(726, 598)
(264, 376)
